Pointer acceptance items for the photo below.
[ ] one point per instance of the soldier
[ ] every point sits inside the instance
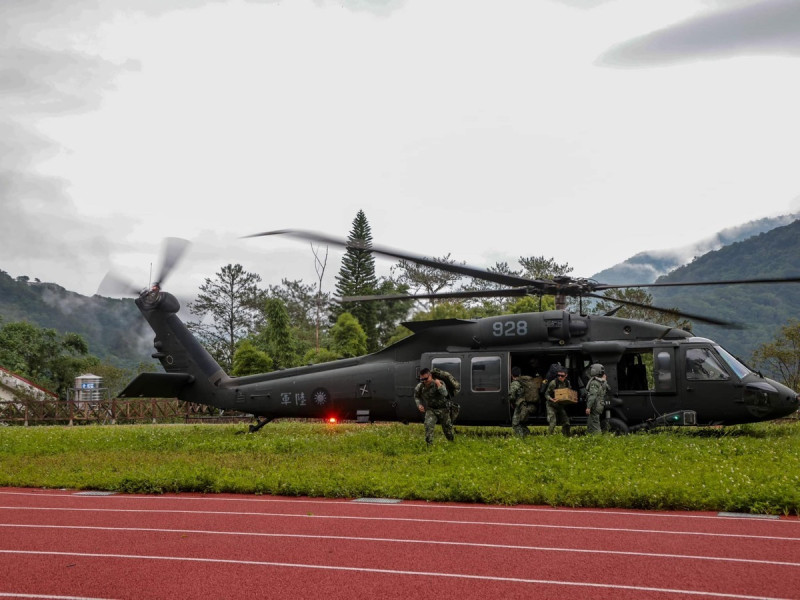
(556, 414)
(453, 386)
(596, 391)
(523, 396)
(432, 399)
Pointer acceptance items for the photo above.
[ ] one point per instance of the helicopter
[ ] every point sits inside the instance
(659, 375)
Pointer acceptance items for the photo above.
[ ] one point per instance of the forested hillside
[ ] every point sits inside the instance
(116, 332)
(762, 309)
(112, 328)
(646, 267)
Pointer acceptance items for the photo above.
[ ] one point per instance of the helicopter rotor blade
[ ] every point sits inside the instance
(466, 270)
(670, 311)
(172, 250)
(113, 285)
(507, 293)
(519, 286)
(604, 286)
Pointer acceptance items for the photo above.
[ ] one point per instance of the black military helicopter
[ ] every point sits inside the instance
(659, 375)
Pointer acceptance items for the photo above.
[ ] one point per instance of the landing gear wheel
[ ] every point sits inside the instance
(614, 426)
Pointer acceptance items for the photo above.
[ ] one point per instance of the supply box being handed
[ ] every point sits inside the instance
(565, 396)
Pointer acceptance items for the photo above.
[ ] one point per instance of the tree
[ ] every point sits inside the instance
(539, 267)
(421, 278)
(249, 360)
(302, 301)
(781, 357)
(531, 304)
(49, 359)
(228, 308)
(348, 337)
(313, 356)
(276, 337)
(389, 313)
(319, 267)
(492, 306)
(357, 278)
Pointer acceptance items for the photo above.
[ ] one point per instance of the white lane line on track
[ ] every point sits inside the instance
(256, 563)
(411, 541)
(404, 503)
(403, 520)
(48, 596)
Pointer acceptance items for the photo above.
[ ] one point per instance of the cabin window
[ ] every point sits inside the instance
(486, 374)
(663, 367)
(701, 365)
(635, 371)
(449, 364)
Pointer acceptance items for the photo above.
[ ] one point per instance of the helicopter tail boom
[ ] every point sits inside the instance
(191, 374)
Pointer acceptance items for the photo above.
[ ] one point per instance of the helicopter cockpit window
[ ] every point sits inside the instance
(486, 374)
(733, 362)
(701, 364)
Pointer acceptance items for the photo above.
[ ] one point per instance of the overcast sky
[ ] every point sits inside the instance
(583, 130)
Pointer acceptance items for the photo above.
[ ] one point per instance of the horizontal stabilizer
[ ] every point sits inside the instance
(157, 385)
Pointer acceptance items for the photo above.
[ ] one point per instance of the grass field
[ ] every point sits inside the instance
(750, 468)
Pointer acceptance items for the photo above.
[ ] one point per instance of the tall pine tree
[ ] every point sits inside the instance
(357, 278)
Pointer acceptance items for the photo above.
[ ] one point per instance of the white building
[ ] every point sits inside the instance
(14, 388)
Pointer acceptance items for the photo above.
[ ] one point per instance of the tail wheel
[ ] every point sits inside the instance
(615, 426)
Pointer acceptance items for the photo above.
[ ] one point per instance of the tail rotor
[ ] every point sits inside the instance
(172, 250)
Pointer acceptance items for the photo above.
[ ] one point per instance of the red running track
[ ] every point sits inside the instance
(67, 544)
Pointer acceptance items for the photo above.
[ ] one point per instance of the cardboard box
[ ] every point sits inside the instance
(566, 396)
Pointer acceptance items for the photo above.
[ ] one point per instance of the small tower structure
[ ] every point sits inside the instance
(88, 389)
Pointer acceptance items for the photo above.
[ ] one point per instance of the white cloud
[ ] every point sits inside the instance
(486, 131)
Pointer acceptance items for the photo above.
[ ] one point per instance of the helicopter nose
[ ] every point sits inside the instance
(789, 405)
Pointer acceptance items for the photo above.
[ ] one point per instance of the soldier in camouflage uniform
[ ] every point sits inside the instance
(596, 391)
(520, 398)
(431, 398)
(557, 414)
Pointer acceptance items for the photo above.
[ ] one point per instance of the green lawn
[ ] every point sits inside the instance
(750, 468)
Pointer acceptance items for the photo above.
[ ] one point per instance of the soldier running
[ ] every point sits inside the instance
(432, 399)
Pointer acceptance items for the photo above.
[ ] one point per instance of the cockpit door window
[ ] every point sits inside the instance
(703, 365)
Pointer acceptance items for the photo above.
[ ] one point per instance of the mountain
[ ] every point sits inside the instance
(646, 267)
(762, 309)
(112, 328)
(116, 332)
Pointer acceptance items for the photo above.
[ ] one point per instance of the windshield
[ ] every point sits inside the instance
(732, 362)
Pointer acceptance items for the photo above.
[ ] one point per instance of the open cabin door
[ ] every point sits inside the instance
(484, 384)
